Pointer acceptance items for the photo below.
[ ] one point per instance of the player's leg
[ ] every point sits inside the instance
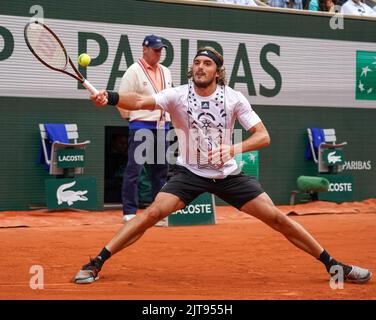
(178, 192)
(263, 208)
(246, 194)
(164, 204)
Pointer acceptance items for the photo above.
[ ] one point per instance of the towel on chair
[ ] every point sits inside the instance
(55, 132)
(318, 137)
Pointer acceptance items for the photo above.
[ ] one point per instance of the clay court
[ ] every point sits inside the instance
(238, 258)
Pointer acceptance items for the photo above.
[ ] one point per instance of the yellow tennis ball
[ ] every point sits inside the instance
(84, 60)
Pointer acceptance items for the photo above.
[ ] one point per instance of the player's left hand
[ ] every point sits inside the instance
(223, 153)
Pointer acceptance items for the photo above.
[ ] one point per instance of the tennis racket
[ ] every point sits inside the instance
(45, 45)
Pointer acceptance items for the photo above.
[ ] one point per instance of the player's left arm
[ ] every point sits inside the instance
(259, 139)
(250, 121)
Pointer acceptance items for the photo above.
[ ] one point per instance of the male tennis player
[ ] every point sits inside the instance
(204, 112)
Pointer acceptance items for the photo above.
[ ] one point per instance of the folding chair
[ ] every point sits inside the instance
(318, 150)
(55, 146)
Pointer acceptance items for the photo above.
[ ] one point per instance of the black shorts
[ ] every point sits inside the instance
(236, 189)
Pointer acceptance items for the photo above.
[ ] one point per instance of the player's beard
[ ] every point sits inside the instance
(204, 84)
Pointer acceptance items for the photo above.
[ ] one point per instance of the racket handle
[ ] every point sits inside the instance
(90, 87)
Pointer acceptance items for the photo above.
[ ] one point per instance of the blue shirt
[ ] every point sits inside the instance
(314, 5)
(298, 4)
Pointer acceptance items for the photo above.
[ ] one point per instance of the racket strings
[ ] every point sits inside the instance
(47, 47)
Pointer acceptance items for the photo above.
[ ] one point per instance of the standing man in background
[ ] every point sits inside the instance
(146, 77)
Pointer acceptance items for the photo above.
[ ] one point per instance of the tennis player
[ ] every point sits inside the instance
(204, 112)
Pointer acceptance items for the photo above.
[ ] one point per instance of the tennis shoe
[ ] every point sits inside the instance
(358, 275)
(353, 274)
(89, 272)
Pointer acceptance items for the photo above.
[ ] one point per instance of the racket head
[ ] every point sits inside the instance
(45, 45)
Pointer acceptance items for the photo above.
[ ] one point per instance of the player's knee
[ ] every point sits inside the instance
(153, 214)
(282, 223)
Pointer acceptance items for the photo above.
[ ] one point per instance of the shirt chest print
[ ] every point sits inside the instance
(207, 121)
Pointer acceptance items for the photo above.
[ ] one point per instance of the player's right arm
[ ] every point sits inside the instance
(124, 100)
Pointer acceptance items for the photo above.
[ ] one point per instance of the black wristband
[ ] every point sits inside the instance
(113, 98)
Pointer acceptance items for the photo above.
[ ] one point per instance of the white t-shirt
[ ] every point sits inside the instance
(204, 123)
(357, 9)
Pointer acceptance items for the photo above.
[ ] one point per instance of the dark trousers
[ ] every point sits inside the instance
(158, 171)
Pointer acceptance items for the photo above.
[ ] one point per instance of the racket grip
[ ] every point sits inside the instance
(90, 87)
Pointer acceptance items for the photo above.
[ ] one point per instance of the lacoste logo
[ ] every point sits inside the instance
(332, 158)
(69, 196)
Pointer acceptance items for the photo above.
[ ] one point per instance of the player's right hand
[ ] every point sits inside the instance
(100, 99)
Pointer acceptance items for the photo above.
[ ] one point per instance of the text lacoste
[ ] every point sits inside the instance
(71, 158)
(195, 209)
(340, 187)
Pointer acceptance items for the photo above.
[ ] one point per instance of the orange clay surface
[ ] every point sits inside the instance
(238, 258)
